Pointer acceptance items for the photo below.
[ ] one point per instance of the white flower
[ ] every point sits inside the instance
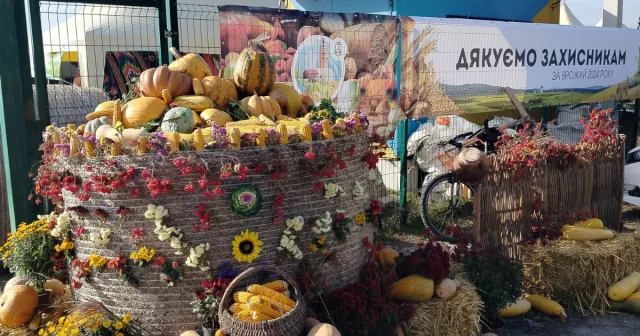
(56, 233)
(176, 243)
(105, 233)
(372, 175)
(63, 224)
(332, 190)
(295, 223)
(323, 224)
(160, 212)
(151, 211)
(178, 252)
(286, 242)
(162, 236)
(358, 191)
(94, 236)
(205, 268)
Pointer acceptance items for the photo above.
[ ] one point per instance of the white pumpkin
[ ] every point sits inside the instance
(324, 329)
(190, 333)
(446, 289)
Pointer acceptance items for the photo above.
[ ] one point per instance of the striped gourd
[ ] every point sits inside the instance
(327, 132)
(254, 72)
(265, 309)
(306, 133)
(117, 113)
(262, 290)
(198, 140)
(284, 134)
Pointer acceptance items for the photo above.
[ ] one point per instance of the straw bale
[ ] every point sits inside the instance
(577, 274)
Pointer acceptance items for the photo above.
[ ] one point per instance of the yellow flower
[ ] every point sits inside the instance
(97, 261)
(119, 325)
(312, 247)
(134, 255)
(41, 332)
(322, 240)
(127, 318)
(119, 334)
(360, 218)
(106, 323)
(65, 246)
(247, 246)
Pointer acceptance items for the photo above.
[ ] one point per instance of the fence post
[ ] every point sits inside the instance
(636, 120)
(164, 33)
(16, 107)
(173, 24)
(403, 134)
(40, 72)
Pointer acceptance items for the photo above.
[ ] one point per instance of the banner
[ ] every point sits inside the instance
(347, 58)
(462, 66)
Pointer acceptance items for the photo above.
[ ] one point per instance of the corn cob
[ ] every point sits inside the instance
(116, 149)
(261, 140)
(234, 137)
(195, 103)
(294, 123)
(198, 140)
(244, 315)
(306, 133)
(117, 113)
(81, 129)
(259, 317)
(286, 294)
(142, 145)
(238, 307)
(284, 135)
(278, 285)
(253, 121)
(265, 309)
(341, 123)
(358, 127)
(279, 306)
(89, 150)
(174, 141)
(283, 117)
(74, 145)
(268, 292)
(166, 95)
(241, 297)
(327, 132)
(72, 127)
(197, 87)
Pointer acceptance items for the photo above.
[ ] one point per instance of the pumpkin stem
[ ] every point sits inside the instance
(175, 53)
(257, 45)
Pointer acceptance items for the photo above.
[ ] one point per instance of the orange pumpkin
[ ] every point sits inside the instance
(153, 81)
(17, 306)
(387, 257)
(141, 110)
(219, 90)
(14, 282)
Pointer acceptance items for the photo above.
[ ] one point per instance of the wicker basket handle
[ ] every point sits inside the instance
(253, 270)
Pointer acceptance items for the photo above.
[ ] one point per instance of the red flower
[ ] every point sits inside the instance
(318, 186)
(79, 230)
(218, 191)
(189, 187)
(203, 183)
(207, 194)
(137, 233)
(82, 197)
(339, 216)
(160, 261)
(276, 176)
(76, 284)
(135, 192)
(310, 155)
(225, 175)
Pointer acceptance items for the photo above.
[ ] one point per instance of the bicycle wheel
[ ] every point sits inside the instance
(446, 202)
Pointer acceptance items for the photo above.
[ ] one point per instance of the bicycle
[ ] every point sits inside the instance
(445, 200)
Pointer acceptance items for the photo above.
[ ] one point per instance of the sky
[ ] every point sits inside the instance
(589, 12)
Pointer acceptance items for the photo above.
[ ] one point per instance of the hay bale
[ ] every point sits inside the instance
(457, 316)
(577, 274)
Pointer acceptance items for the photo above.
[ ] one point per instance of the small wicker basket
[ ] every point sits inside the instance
(290, 324)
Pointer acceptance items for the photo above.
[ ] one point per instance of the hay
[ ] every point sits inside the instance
(457, 316)
(577, 274)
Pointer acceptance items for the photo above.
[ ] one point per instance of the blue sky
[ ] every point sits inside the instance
(589, 12)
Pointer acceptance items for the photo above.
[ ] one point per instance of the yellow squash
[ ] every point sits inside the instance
(221, 118)
(518, 308)
(413, 288)
(191, 64)
(261, 105)
(624, 288)
(593, 223)
(571, 232)
(142, 110)
(547, 306)
(629, 305)
(194, 103)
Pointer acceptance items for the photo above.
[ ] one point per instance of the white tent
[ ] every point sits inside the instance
(599, 24)
(96, 30)
(567, 17)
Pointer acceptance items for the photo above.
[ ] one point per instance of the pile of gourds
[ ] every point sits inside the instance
(20, 304)
(625, 294)
(186, 97)
(591, 229)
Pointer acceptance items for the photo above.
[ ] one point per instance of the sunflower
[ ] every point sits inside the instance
(247, 246)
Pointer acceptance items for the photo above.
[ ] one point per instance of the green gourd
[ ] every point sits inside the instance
(179, 120)
(93, 125)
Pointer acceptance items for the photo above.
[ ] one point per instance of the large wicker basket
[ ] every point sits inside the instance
(290, 324)
(163, 310)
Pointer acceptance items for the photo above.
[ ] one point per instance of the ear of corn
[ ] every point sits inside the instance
(142, 145)
(89, 150)
(327, 132)
(284, 134)
(117, 113)
(278, 285)
(198, 140)
(116, 149)
(244, 315)
(341, 123)
(261, 140)
(279, 306)
(238, 307)
(81, 129)
(265, 120)
(241, 297)
(72, 127)
(74, 145)
(358, 126)
(259, 317)
(286, 294)
(265, 309)
(547, 306)
(261, 290)
(166, 95)
(174, 141)
(234, 137)
(197, 87)
(306, 133)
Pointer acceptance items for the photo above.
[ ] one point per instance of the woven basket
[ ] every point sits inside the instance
(290, 324)
(163, 310)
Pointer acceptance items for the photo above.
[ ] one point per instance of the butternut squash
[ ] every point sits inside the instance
(413, 288)
(624, 288)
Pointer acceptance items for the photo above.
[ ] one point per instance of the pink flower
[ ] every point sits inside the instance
(137, 233)
(160, 260)
(310, 155)
(218, 191)
(175, 264)
(80, 230)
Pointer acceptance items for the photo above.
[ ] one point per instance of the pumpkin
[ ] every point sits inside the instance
(55, 286)
(179, 120)
(254, 71)
(324, 329)
(153, 81)
(221, 118)
(127, 136)
(219, 90)
(142, 110)
(104, 109)
(191, 64)
(446, 289)
(17, 306)
(311, 322)
(190, 333)
(14, 282)
(412, 288)
(293, 100)
(258, 105)
(92, 126)
(386, 257)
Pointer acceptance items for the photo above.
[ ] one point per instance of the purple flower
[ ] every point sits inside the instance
(316, 129)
